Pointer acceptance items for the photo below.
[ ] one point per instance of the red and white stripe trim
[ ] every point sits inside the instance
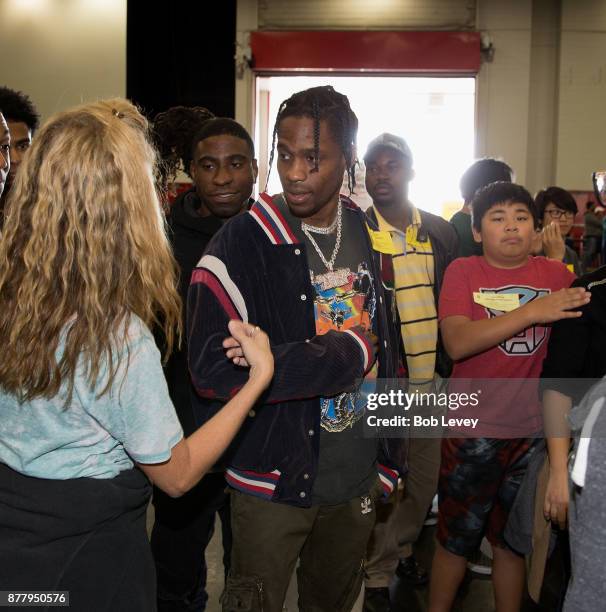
(217, 267)
(364, 345)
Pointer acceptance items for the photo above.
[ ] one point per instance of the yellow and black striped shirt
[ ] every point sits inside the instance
(414, 281)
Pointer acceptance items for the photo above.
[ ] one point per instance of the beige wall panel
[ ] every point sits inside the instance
(585, 15)
(63, 52)
(581, 145)
(365, 14)
(543, 95)
(503, 84)
(582, 104)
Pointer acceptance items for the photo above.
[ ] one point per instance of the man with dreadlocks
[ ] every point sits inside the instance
(219, 156)
(173, 131)
(303, 476)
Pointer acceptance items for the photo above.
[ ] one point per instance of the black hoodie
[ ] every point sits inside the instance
(576, 353)
(189, 233)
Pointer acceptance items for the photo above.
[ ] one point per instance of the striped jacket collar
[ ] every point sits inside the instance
(267, 214)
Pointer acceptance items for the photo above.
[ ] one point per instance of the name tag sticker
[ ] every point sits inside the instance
(382, 242)
(505, 302)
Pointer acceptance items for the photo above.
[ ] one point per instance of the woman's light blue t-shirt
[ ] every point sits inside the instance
(95, 437)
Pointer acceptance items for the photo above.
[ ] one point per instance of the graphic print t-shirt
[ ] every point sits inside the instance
(344, 299)
(509, 409)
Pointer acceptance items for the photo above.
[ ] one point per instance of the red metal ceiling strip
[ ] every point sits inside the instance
(376, 51)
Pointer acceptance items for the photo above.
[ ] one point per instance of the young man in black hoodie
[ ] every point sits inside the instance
(224, 170)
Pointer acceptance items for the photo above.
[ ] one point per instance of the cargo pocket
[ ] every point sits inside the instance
(376, 492)
(350, 595)
(242, 594)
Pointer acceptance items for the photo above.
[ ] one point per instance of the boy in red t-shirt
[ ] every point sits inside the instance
(495, 337)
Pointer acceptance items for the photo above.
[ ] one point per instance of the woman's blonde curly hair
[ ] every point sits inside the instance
(84, 249)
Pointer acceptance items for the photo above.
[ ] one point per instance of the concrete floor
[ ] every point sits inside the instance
(476, 594)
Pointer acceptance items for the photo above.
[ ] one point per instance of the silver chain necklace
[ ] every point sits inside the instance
(321, 230)
(338, 224)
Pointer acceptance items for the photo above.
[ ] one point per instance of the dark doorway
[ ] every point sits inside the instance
(181, 53)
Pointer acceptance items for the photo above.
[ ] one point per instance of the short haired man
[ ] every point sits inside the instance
(22, 119)
(481, 173)
(303, 475)
(424, 245)
(557, 208)
(223, 168)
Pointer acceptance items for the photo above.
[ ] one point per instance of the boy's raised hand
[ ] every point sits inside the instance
(558, 305)
(554, 246)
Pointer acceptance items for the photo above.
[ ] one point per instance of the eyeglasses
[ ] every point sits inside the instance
(557, 213)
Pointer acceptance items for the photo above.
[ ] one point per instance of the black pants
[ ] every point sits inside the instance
(86, 536)
(181, 533)
(591, 247)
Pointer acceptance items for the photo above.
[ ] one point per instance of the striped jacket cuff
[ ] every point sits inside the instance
(257, 484)
(389, 479)
(365, 346)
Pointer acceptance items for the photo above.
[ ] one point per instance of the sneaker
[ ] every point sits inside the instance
(376, 599)
(432, 515)
(411, 572)
(480, 564)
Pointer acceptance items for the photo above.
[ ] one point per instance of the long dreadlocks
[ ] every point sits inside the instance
(173, 132)
(323, 104)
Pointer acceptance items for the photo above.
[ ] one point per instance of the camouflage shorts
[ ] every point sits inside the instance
(479, 480)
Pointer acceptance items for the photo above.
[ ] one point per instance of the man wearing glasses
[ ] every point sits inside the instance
(557, 209)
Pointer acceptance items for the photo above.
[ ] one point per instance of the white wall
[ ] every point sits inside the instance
(503, 85)
(542, 103)
(63, 52)
(543, 95)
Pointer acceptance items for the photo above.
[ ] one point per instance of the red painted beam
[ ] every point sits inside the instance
(377, 51)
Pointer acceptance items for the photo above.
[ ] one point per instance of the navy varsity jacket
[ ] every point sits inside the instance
(254, 269)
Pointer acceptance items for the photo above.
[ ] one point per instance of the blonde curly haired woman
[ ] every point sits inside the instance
(85, 417)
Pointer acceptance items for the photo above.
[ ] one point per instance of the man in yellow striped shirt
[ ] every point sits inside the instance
(422, 245)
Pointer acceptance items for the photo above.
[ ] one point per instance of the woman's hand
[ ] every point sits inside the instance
(248, 346)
